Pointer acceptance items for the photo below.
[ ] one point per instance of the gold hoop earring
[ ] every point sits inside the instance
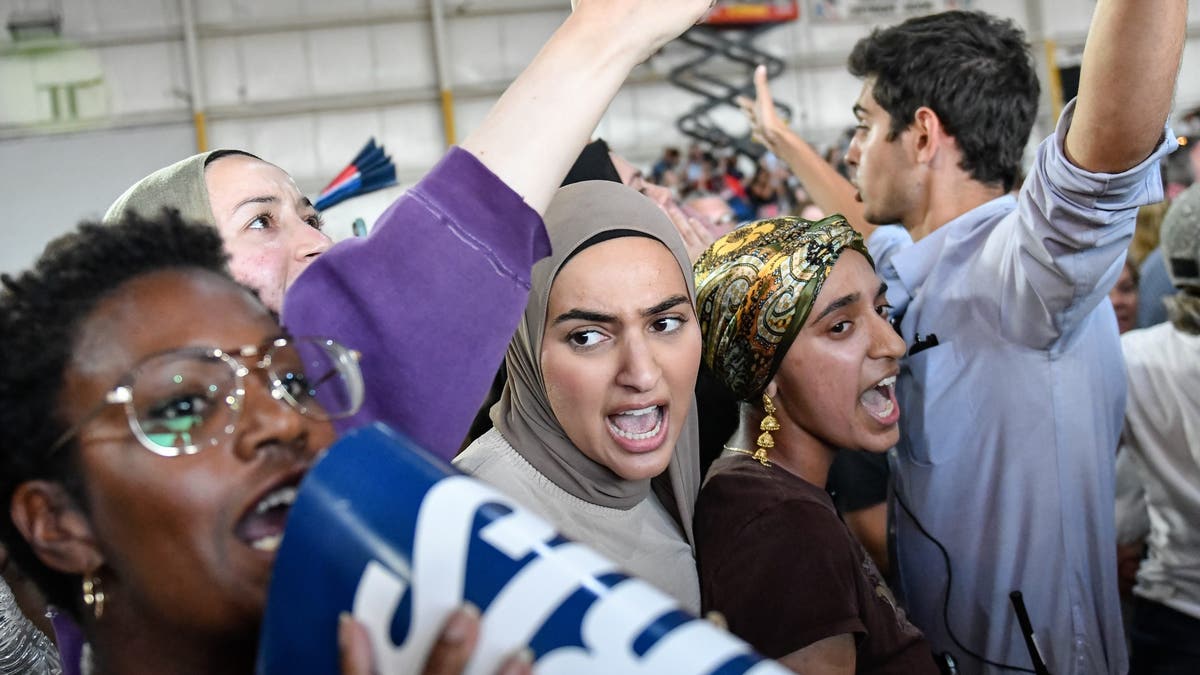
(765, 440)
(93, 595)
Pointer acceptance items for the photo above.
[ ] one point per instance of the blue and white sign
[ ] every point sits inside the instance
(400, 539)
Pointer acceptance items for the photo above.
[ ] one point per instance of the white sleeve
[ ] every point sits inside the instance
(1133, 521)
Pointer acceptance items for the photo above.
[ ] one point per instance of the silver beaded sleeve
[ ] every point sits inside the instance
(24, 650)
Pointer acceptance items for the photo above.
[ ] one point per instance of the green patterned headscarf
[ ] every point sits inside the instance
(755, 288)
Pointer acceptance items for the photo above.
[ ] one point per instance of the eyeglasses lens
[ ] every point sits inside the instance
(319, 378)
(183, 403)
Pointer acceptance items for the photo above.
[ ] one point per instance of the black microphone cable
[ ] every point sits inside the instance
(946, 602)
(1035, 656)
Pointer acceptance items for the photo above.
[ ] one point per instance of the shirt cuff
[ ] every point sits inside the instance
(1132, 188)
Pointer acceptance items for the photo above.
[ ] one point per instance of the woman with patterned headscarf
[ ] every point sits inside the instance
(795, 323)
(595, 429)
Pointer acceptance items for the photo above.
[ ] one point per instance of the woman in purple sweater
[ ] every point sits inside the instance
(432, 297)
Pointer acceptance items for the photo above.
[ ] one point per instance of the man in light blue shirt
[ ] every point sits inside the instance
(1011, 416)
(1012, 392)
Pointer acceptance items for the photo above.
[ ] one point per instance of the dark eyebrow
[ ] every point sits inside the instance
(306, 202)
(597, 317)
(665, 305)
(256, 200)
(584, 315)
(847, 300)
(841, 302)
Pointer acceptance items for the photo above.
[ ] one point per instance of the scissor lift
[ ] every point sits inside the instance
(728, 35)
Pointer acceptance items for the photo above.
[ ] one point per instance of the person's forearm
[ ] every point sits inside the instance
(536, 130)
(869, 526)
(828, 188)
(1127, 82)
(831, 656)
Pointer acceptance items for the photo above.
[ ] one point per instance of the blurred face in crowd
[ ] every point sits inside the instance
(715, 212)
(270, 229)
(620, 354)
(632, 177)
(1124, 297)
(836, 387)
(711, 217)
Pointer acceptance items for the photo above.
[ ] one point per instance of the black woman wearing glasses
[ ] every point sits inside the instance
(155, 420)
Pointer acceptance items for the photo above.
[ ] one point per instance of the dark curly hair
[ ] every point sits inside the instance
(972, 69)
(41, 312)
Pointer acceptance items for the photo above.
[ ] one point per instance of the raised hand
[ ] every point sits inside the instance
(831, 192)
(555, 104)
(766, 126)
(644, 25)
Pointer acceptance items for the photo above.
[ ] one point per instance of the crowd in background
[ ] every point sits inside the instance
(753, 189)
(766, 188)
(688, 353)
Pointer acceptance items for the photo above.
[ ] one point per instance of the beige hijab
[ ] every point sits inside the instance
(179, 186)
(577, 215)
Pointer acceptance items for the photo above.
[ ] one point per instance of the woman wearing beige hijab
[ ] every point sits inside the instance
(595, 429)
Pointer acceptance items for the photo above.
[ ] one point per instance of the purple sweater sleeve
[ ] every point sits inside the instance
(431, 299)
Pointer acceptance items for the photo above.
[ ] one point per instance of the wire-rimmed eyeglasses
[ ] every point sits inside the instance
(181, 401)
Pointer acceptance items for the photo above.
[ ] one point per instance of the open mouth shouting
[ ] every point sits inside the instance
(880, 401)
(641, 429)
(261, 525)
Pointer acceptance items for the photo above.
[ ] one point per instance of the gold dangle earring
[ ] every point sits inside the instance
(93, 595)
(765, 440)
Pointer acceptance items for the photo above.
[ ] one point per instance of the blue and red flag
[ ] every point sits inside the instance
(370, 170)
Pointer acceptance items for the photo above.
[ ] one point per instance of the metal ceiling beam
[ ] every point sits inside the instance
(367, 19)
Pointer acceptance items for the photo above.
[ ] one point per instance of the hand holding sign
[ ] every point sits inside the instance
(399, 539)
(449, 656)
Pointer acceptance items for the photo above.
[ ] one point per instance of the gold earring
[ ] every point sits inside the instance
(769, 423)
(93, 595)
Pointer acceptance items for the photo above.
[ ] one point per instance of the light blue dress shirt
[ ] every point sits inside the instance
(1010, 424)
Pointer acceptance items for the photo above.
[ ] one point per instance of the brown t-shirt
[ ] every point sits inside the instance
(778, 562)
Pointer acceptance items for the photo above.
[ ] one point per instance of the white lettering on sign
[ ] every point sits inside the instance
(611, 624)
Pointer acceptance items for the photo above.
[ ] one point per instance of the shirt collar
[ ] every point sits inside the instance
(914, 263)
